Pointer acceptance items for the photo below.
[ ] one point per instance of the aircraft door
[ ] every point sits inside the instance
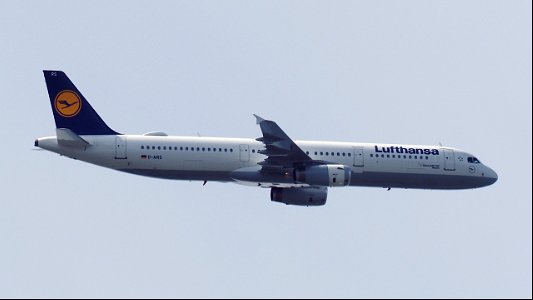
(244, 153)
(120, 147)
(358, 157)
(449, 160)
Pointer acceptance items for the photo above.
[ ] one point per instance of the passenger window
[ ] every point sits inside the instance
(230, 150)
(338, 154)
(349, 154)
(371, 155)
(327, 153)
(197, 148)
(343, 153)
(321, 153)
(142, 147)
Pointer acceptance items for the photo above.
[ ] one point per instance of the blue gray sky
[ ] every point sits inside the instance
(413, 72)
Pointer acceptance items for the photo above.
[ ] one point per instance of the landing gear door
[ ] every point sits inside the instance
(121, 147)
(449, 160)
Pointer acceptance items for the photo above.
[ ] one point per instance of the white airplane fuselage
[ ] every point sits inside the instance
(236, 159)
(297, 172)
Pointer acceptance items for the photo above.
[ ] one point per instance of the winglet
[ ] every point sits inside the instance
(258, 119)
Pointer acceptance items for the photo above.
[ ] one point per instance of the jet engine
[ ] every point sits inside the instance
(324, 175)
(308, 196)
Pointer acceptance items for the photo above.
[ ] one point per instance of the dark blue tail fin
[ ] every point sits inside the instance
(71, 110)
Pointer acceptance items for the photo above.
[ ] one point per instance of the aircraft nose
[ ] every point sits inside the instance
(491, 176)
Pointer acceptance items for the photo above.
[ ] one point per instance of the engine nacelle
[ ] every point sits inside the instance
(309, 196)
(324, 175)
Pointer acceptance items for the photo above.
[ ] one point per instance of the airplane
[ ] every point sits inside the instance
(66, 104)
(297, 172)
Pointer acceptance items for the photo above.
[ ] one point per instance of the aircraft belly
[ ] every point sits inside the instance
(416, 180)
(221, 176)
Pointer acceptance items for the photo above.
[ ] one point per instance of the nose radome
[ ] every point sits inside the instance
(492, 175)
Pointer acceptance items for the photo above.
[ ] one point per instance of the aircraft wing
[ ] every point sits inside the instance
(280, 149)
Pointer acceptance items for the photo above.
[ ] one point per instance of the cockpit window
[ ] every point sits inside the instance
(473, 160)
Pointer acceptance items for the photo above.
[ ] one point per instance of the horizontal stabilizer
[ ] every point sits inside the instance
(67, 137)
